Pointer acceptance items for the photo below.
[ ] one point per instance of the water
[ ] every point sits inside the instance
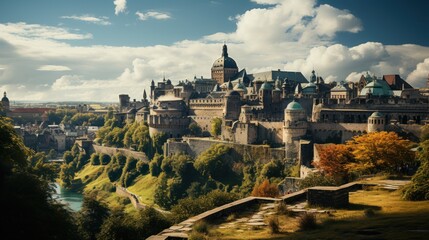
(72, 199)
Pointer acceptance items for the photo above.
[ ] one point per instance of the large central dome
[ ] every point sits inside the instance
(224, 68)
(224, 61)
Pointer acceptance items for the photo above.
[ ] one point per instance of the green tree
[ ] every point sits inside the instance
(214, 162)
(95, 159)
(26, 196)
(216, 127)
(194, 129)
(418, 189)
(67, 174)
(91, 217)
(68, 157)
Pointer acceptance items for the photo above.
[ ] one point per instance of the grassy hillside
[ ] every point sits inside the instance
(144, 187)
(393, 218)
(95, 178)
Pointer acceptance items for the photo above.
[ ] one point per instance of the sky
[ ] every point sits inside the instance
(80, 50)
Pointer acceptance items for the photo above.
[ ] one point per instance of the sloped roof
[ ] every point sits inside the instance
(396, 82)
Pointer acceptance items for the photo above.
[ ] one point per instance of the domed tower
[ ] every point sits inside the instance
(224, 68)
(376, 122)
(5, 102)
(295, 127)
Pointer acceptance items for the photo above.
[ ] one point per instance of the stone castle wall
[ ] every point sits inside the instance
(195, 146)
(336, 132)
(126, 152)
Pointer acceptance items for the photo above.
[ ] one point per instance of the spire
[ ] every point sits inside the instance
(152, 83)
(144, 94)
(224, 51)
(4, 94)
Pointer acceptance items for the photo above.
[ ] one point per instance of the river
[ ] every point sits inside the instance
(72, 199)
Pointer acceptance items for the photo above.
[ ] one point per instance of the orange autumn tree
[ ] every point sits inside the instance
(334, 160)
(380, 151)
(265, 189)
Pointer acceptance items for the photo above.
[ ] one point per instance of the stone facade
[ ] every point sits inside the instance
(280, 108)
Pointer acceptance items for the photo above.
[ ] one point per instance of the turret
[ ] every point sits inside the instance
(376, 122)
(5, 102)
(295, 127)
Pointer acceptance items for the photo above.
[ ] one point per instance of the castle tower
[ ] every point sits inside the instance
(246, 114)
(124, 102)
(265, 95)
(5, 102)
(295, 127)
(224, 68)
(232, 107)
(376, 122)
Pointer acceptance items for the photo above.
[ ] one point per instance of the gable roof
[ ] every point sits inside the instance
(396, 82)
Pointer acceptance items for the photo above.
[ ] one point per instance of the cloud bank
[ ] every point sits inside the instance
(292, 35)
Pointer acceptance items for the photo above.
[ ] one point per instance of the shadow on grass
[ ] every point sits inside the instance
(354, 206)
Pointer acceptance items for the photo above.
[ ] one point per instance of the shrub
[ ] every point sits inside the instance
(307, 221)
(265, 189)
(114, 172)
(196, 236)
(317, 179)
(273, 224)
(282, 209)
(142, 167)
(369, 212)
(201, 227)
(95, 159)
(104, 159)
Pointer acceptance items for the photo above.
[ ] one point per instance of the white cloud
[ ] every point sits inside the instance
(37, 31)
(120, 6)
(296, 35)
(91, 19)
(53, 68)
(152, 14)
(420, 75)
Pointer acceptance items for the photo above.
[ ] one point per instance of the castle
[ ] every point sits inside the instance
(280, 108)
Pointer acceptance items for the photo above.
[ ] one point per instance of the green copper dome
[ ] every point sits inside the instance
(294, 106)
(377, 88)
(266, 86)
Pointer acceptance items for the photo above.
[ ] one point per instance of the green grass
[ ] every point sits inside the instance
(145, 186)
(393, 218)
(95, 178)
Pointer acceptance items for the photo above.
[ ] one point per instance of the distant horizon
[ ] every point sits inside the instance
(94, 51)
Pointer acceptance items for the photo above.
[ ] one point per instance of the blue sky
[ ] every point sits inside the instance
(95, 50)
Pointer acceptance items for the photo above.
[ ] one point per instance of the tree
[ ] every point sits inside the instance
(194, 129)
(265, 189)
(91, 217)
(317, 179)
(26, 196)
(67, 174)
(380, 151)
(104, 159)
(95, 159)
(334, 161)
(273, 169)
(68, 157)
(188, 207)
(418, 189)
(215, 161)
(216, 127)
